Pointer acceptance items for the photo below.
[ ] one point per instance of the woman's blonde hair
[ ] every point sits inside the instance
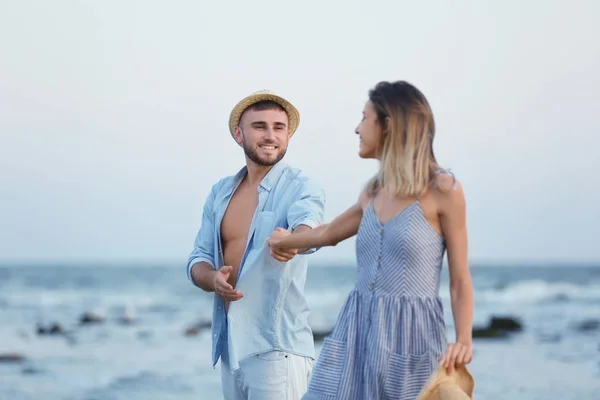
(408, 165)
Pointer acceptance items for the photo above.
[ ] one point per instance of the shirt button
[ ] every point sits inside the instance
(377, 258)
(371, 286)
(380, 231)
(215, 335)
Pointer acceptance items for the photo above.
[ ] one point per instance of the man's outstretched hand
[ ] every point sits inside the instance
(224, 289)
(276, 252)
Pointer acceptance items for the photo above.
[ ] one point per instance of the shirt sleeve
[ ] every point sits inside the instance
(308, 208)
(204, 243)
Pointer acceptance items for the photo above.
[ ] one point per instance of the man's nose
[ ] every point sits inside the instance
(270, 133)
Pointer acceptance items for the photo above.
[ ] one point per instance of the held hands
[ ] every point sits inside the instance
(276, 252)
(224, 289)
(457, 354)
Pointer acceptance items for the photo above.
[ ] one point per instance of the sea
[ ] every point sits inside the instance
(145, 334)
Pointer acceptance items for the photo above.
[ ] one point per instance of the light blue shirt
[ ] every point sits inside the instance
(273, 313)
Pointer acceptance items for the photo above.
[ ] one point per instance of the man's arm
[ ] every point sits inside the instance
(203, 276)
(308, 211)
(201, 261)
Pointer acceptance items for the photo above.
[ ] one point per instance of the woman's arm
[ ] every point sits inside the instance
(341, 228)
(454, 227)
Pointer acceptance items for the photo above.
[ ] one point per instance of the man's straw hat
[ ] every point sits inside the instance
(238, 110)
(458, 385)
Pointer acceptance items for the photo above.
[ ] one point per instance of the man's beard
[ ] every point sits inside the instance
(253, 155)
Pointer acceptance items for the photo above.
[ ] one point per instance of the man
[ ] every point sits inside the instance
(259, 326)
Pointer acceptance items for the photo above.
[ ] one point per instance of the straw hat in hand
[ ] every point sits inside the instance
(458, 385)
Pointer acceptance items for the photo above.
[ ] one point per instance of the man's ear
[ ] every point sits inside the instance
(237, 135)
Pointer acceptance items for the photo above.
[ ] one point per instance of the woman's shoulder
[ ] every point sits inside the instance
(445, 180)
(447, 190)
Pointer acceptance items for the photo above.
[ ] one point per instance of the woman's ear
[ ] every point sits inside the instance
(386, 125)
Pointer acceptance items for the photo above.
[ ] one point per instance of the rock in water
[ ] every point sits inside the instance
(197, 328)
(506, 324)
(54, 329)
(488, 333)
(12, 358)
(588, 325)
(92, 317)
(498, 328)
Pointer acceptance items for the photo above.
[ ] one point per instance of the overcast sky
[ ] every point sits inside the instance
(113, 116)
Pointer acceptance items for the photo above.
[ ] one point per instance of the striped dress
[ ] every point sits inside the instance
(390, 332)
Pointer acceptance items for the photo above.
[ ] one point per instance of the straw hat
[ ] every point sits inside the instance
(238, 110)
(458, 385)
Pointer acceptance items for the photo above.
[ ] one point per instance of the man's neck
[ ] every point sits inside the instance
(255, 173)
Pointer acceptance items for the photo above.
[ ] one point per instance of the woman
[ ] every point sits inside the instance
(390, 334)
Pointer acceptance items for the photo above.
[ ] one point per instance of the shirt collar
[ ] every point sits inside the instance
(267, 182)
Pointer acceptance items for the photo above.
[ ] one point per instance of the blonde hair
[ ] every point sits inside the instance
(408, 165)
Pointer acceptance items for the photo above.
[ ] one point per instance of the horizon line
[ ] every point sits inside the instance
(140, 263)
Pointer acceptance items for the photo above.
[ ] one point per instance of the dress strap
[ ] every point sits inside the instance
(449, 172)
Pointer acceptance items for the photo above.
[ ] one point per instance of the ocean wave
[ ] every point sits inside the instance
(332, 297)
(156, 302)
(520, 292)
(536, 291)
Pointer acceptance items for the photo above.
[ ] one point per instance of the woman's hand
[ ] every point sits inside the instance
(274, 243)
(457, 354)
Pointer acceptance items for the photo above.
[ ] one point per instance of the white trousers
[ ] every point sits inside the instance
(269, 376)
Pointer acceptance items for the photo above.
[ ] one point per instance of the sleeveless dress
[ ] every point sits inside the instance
(390, 332)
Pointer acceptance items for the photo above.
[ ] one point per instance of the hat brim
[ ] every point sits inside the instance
(458, 385)
(238, 110)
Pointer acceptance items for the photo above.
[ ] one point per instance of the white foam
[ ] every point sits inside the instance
(536, 291)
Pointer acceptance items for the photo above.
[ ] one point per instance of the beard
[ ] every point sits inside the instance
(253, 155)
